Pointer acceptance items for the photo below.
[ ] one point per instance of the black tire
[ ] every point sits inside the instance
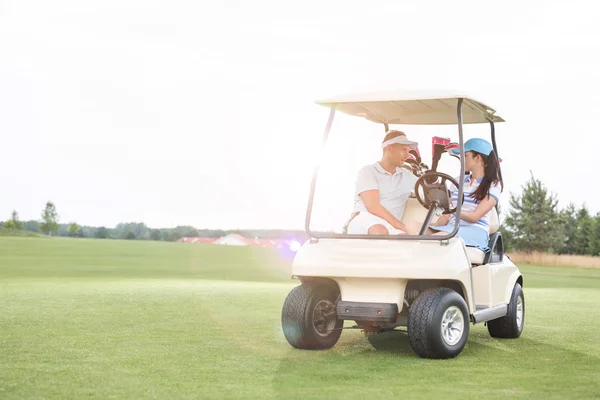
(300, 311)
(508, 327)
(425, 332)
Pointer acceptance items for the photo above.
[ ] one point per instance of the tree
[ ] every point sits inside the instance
(155, 234)
(534, 219)
(32, 226)
(583, 231)
(138, 229)
(8, 225)
(171, 236)
(569, 215)
(13, 222)
(49, 223)
(74, 229)
(101, 233)
(86, 232)
(14, 218)
(126, 233)
(507, 238)
(594, 248)
(507, 234)
(63, 230)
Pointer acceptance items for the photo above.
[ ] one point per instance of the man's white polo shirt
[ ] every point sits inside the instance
(394, 189)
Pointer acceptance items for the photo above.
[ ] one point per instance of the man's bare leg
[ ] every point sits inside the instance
(413, 227)
(378, 230)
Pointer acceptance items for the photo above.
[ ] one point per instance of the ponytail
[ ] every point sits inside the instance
(491, 176)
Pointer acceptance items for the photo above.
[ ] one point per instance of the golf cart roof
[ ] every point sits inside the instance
(412, 108)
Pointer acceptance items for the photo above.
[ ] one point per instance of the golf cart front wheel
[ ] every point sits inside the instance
(511, 325)
(438, 324)
(309, 317)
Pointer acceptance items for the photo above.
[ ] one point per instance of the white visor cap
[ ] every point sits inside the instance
(400, 140)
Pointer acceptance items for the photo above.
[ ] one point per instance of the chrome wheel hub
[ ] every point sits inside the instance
(520, 311)
(324, 317)
(453, 326)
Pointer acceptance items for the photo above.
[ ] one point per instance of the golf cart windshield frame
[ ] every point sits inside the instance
(449, 236)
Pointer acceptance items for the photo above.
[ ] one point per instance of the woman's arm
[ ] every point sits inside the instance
(483, 208)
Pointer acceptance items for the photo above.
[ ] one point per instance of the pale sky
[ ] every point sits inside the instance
(203, 113)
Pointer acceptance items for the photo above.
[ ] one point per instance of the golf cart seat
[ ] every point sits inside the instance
(478, 257)
(475, 255)
(416, 212)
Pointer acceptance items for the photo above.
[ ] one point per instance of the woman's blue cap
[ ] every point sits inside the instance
(481, 146)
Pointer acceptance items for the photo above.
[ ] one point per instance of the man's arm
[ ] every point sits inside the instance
(443, 220)
(371, 200)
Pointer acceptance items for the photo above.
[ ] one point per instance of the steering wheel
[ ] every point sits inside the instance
(436, 192)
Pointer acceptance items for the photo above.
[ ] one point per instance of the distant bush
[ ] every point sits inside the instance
(18, 232)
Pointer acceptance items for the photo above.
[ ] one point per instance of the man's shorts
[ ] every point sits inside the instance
(361, 223)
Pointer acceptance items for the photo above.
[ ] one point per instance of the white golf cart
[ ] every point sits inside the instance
(433, 285)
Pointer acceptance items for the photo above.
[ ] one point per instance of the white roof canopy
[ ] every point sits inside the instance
(405, 108)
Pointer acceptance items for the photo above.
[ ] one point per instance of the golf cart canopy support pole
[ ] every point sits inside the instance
(387, 237)
(493, 133)
(313, 184)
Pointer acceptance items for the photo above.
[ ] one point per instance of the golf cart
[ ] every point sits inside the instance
(435, 286)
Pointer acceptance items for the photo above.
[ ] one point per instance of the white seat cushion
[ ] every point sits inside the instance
(475, 255)
(494, 221)
(414, 211)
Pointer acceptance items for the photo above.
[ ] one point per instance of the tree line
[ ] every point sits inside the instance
(533, 222)
(49, 225)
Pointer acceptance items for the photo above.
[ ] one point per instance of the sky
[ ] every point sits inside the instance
(203, 113)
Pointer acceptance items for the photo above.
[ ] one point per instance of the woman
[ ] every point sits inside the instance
(482, 190)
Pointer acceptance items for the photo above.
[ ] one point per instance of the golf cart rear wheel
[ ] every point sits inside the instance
(438, 323)
(511, 325)
(309, 318)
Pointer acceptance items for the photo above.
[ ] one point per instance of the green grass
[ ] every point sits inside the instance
(117, 319)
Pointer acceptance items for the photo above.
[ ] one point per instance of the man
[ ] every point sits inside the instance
(382, 189)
